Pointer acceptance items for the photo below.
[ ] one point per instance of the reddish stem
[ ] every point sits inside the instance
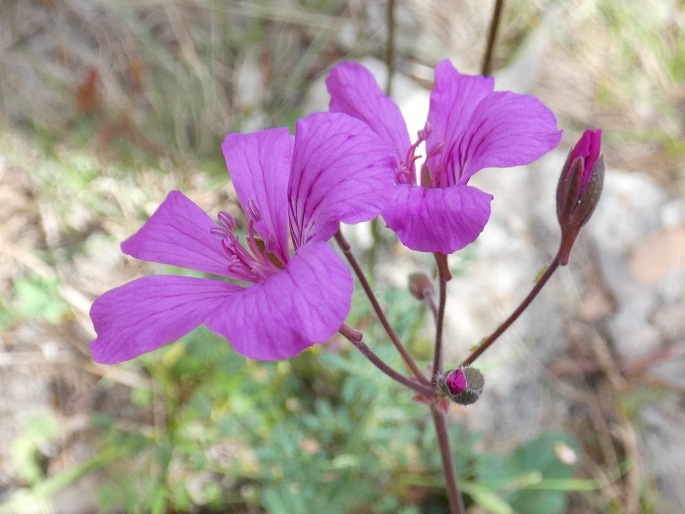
(554, 265)
(453, 494)
(355, 337)
(345, 247)
(443, 276)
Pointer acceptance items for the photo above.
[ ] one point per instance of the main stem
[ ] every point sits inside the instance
(453, 494)
(554, 265)
(345, 247)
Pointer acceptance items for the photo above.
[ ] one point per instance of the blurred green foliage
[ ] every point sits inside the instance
(37, 298)
(322, 432)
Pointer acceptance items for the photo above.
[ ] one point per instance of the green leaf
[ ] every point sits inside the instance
(36, 297)
(534, 478)
(25, 450)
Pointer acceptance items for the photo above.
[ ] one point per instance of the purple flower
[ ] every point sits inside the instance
(469, 127)
(291, 290)
(579, 188)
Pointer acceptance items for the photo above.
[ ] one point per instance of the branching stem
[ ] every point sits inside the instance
(355, 337)
(345, 247)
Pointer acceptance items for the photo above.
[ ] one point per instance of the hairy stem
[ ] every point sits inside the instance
(453, 493)
(355, 337)
(345, 247)
(554, 265)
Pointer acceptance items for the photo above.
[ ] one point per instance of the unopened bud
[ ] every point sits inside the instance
(420, 286)
(579, 189)
(462, 385)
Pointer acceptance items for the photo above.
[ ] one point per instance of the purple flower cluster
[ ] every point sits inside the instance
(280, 288)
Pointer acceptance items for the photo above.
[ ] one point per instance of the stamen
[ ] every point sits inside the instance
(270, 244)
(254, 210)
(227, 220)
(219, 232)
(425, 132)
(406, 172)
(253, 260)
(240, 262)
(436, 149)
(434, 177)
(403, 175)
(252, 242)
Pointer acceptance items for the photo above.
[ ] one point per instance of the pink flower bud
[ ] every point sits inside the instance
(462, 385)
(456, 381)
(579, 189)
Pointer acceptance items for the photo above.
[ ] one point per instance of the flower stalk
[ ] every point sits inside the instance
(544, 278)
(355, 337)
(443, 276)
(408, 359)
(578, 192)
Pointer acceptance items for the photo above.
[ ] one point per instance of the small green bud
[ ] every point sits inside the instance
(420, 286)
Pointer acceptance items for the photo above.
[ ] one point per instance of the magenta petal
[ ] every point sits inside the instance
(453, 101)
(438, 220)
(507, 129)
(456, 381)
(259, 165)
(341, 171)
(304, 304)
(354, 91)
(178, 233)
(150, 312)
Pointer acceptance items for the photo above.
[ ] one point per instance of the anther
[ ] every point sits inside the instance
(436, 148)
(227, 220)
(254, 210)
(219, 232)
(425, 132)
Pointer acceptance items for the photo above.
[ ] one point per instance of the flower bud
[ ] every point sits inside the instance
(462, 385)
(579, 189)
(420, 286)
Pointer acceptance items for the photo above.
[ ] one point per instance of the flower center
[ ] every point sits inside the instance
(406, 172)
(253, 261)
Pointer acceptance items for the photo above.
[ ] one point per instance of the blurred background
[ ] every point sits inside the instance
(105, 106)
